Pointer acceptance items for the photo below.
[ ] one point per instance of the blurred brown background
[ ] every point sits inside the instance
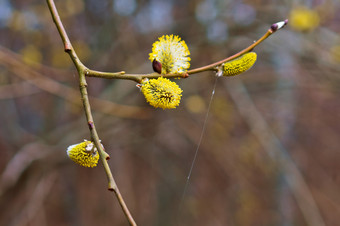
(270, 153)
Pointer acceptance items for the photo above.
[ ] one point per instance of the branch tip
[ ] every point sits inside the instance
(278, 25)
(286, 21)
(274, 27)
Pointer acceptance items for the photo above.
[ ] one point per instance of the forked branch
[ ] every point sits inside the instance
(83, 71)
(112, 186)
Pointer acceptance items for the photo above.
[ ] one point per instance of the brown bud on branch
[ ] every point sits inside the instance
(157, 66)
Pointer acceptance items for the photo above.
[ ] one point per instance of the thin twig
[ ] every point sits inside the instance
(211, 67)
(82, 70)
(33, 76)
(34, 206)
(15, 90)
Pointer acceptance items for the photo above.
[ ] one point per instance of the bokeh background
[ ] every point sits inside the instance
(270, 151)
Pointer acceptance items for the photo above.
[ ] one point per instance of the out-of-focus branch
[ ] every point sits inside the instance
(15, 90)
(13, 62)
(19, 163)
(276, 151)
(35, 203)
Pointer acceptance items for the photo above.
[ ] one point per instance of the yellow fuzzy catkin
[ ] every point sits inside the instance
(84, 154)
(162, 93)
(172, 53)
(240, 64)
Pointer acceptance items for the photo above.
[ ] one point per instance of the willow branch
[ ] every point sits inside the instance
(211, 67)
(82, 70)
(248, 49)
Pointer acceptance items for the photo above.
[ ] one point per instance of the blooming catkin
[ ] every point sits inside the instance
(84, 154)
(161, 93)
(240, 64)
(172, 53)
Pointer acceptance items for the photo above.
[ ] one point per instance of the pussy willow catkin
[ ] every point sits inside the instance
(240, 64)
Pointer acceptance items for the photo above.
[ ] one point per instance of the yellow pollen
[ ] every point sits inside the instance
(162, 93)
(240, 64)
